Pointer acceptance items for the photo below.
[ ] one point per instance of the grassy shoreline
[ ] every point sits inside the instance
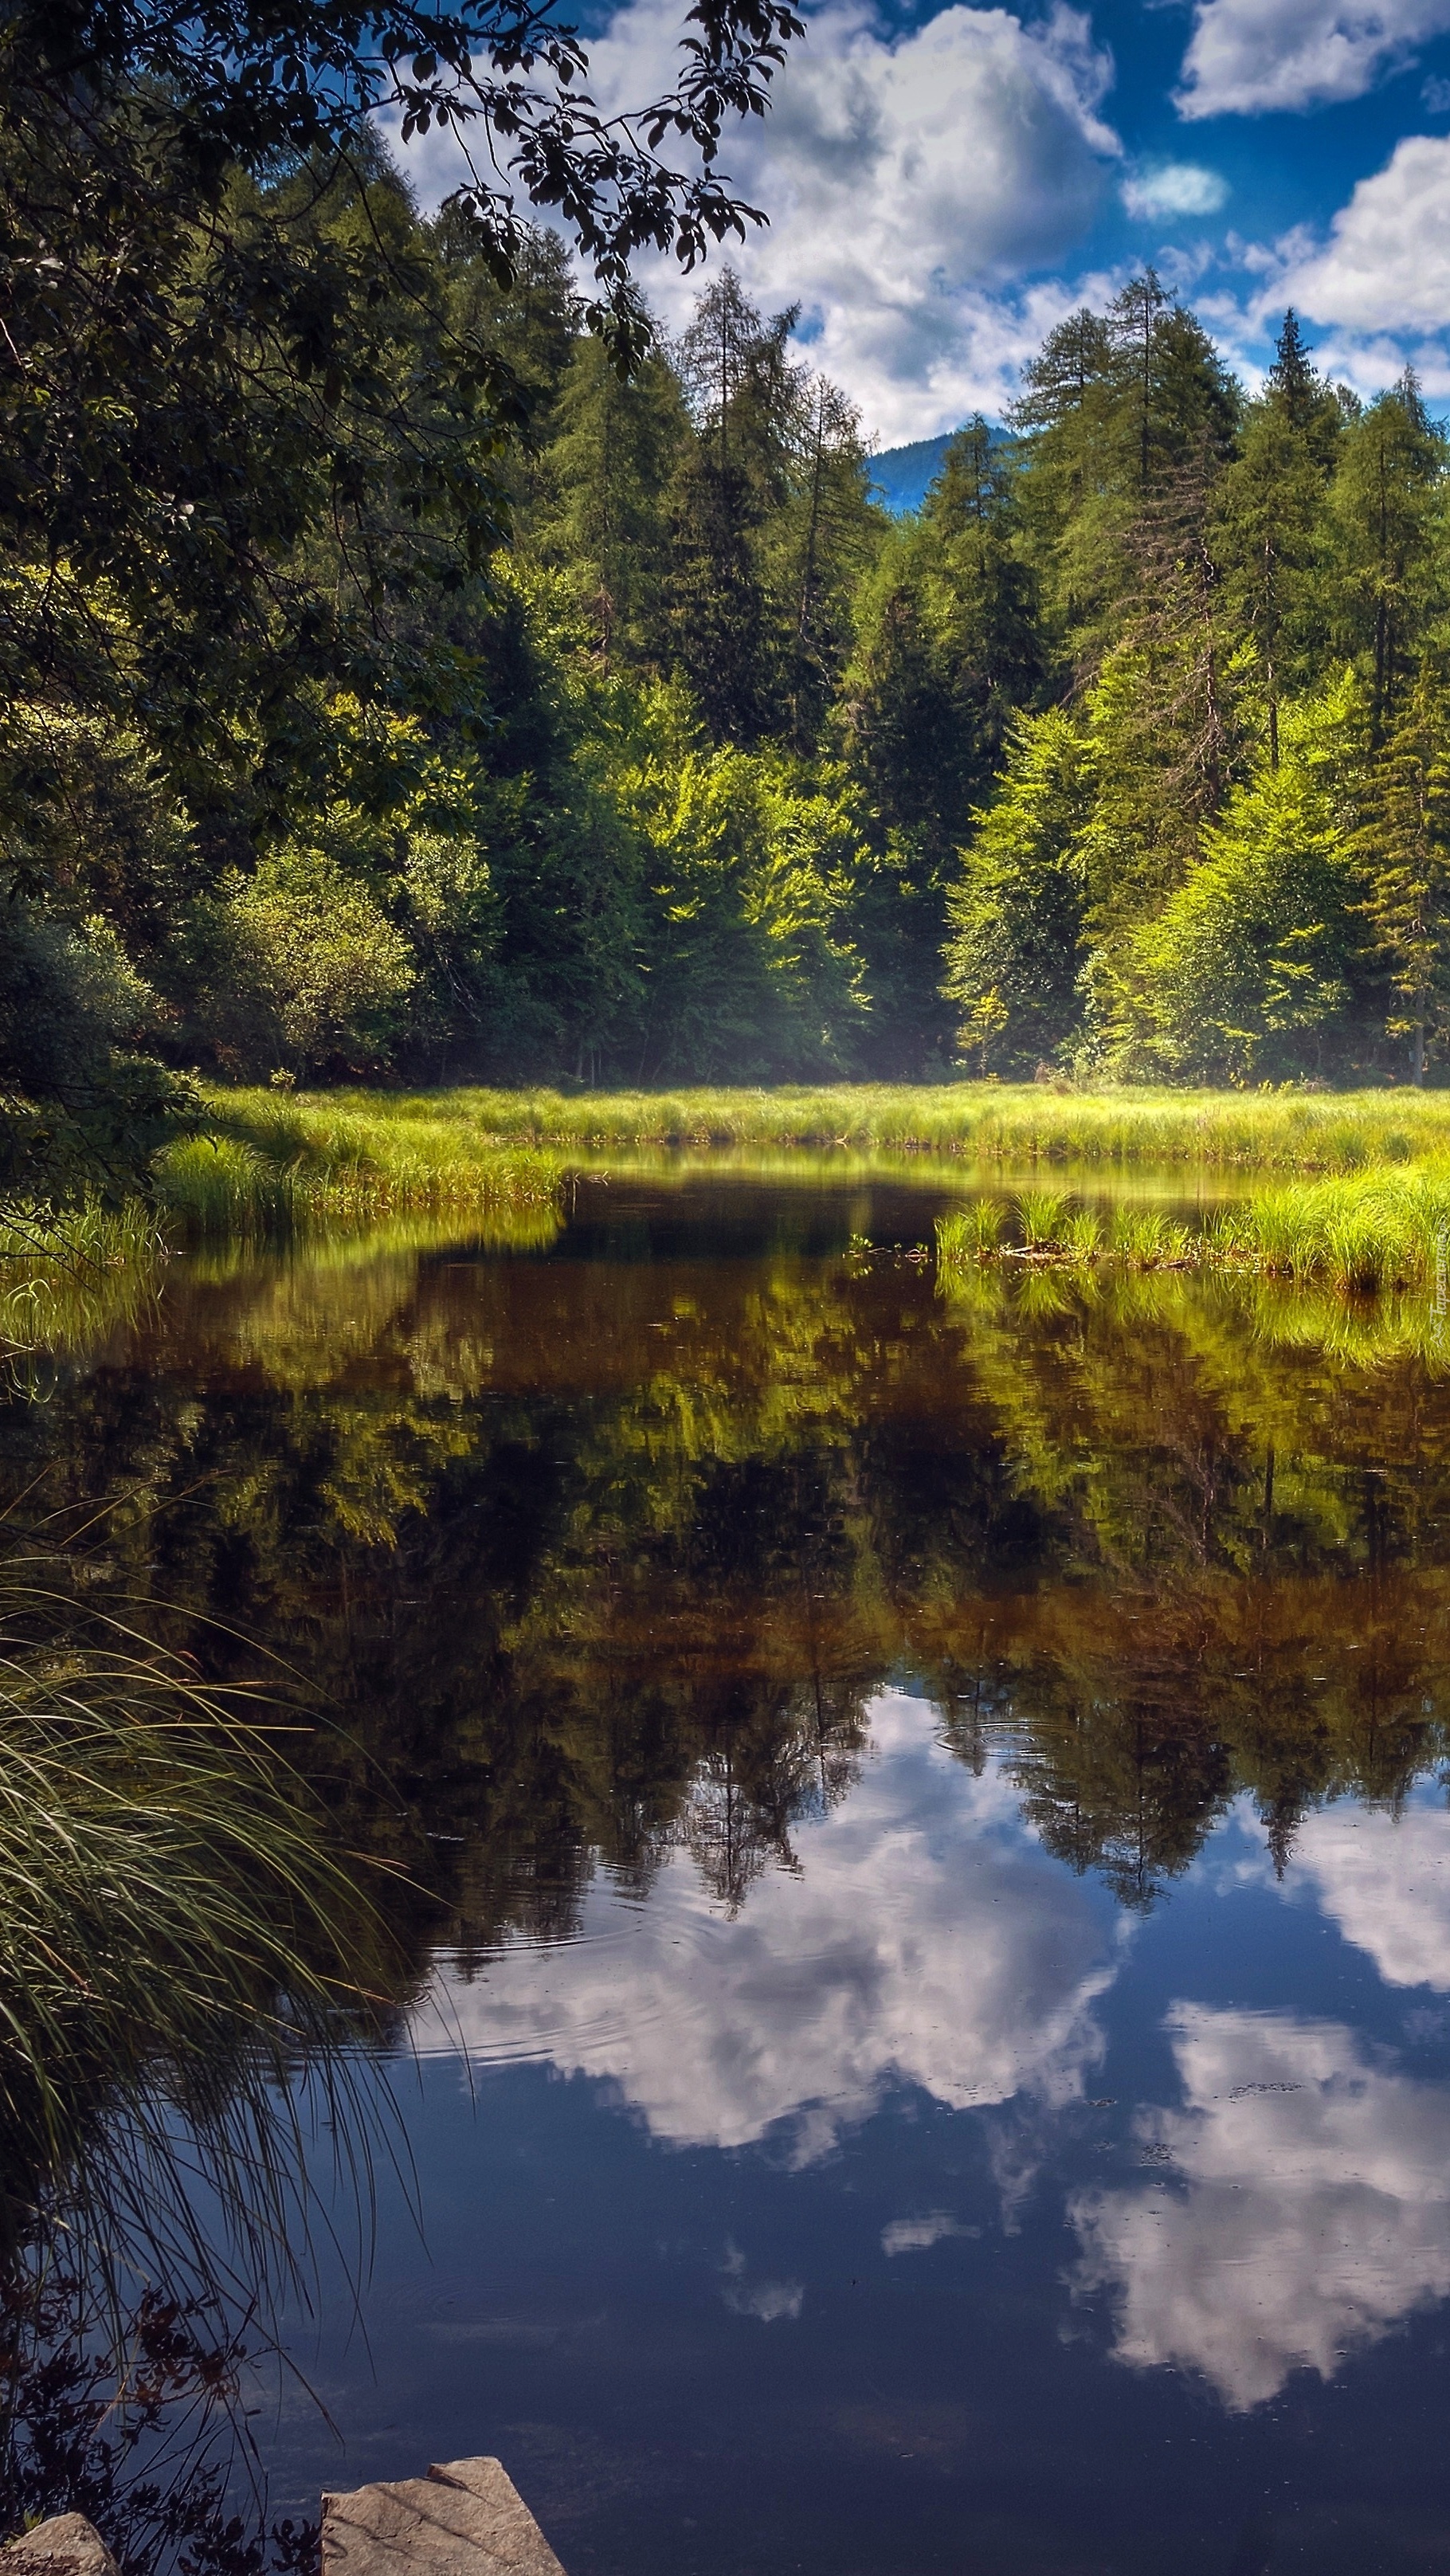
(1376, 1212)
(1359, 1234)
(1347, 1192)
(985, 1122)
(274, 1168)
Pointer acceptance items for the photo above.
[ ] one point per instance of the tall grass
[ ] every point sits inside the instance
(272, 1169)
(1300, 1131)
(180, 1950)
(1378, 1230)
(67, 1275)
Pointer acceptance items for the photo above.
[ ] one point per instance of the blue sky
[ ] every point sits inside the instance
(944, 185)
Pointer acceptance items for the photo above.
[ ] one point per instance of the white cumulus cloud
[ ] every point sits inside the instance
(1246, 56)
(1175, 188)
(909, 179)
(1302, 2207)
(1386, 265)
(925, 1940)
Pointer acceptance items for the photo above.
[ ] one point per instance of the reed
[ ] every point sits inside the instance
(68, 1275)
(987, 1122)
(180, 1951)
(271, 1169)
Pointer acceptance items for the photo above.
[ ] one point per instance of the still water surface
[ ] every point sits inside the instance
(927, 2038)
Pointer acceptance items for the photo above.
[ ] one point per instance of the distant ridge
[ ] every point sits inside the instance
(902, 477)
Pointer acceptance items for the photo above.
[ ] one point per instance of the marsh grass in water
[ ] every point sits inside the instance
(183, 1953)
(1377, 1231)
(67, 1275)
(271, 1168)
(988, 1122)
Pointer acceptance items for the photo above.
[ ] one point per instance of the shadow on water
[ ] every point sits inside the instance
(600, 1554)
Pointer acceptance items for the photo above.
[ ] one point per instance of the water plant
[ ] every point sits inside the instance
(969, 1234)
(272, 1167)
(1082, 1234)
(1041, 1214)
(181, 1949)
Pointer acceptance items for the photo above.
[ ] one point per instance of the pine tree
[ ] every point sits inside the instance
(618, 444)
(1404, 847)
(1272, 524)
(1392, 463)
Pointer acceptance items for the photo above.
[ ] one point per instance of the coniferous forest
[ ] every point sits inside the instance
(414, 671)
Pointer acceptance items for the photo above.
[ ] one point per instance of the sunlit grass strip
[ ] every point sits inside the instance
(1385, 1229)
(1299, 1131)
(271, 1170)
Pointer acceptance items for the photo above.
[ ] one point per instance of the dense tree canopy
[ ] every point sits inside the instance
(414, 667)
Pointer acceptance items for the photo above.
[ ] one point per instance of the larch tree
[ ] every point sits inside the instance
(1403, 846)
(1272, 524)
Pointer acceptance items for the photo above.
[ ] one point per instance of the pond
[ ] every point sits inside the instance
(925, 2038)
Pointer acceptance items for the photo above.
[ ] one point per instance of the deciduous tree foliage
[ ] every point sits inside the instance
(415, 669)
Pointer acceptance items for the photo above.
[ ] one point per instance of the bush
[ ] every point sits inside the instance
(334, 971)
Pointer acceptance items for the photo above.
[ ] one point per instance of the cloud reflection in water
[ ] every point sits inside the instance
(1302, 2207)
(1385, 1880)
(925, 1939)
(1298, 2205)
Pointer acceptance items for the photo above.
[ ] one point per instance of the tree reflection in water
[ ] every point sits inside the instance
(597, 1556)
(594, 1554)
(153, 2462)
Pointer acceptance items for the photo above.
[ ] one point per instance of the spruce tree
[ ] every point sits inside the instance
(827, 535)
(1109, 416)
(719, 630)
(1404, 848)
(1062, 426)
(1392, 463)
(907, 736)
(727, 637)
(1175, 398)
(1272, 525)
(981, 596)
(616, 450)
(1016, 912)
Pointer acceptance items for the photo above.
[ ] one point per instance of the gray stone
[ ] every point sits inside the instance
(67, 2545)
(465, 2518)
